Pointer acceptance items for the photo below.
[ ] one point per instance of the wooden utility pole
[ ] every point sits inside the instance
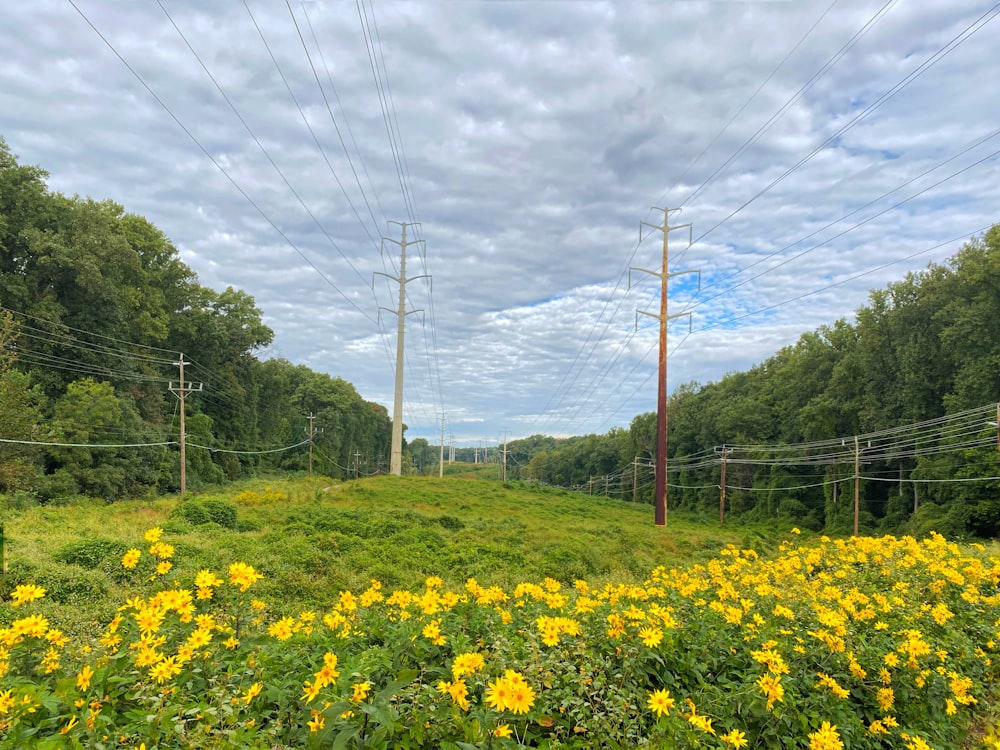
(357, 461)
(396, 451)
(722, 487)
(310, 433)
(441, 459)
(661, 396)
(857, 481)
(503, 463)
(635, 478)
(181, 391)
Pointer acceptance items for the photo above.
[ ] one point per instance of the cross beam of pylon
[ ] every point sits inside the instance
(664, 317)
(396, 454)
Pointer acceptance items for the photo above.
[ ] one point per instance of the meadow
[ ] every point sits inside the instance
(460, 613)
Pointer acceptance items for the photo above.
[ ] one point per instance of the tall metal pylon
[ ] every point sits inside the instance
(660, 490)
(396, 451)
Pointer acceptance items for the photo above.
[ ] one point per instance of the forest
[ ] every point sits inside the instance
(96, 307)
(915, 377)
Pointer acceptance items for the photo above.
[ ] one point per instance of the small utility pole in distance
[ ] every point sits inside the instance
(857, 482)
(503, 463)
(357, 460)
(441, 459)
(664, 318)
(310, 432)
(181, 391)
(722, 486)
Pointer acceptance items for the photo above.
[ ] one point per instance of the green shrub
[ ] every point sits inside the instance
(208, 510)
(90, 553)
(451, 523)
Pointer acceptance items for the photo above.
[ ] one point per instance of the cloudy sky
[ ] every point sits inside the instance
(818, 150)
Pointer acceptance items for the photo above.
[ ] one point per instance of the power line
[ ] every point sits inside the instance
(930, 62)
(218, 166)
(337, 128)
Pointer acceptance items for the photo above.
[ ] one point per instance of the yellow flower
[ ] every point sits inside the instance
(164, 670)
(206, 579)
(503, 730)
(83, 677)
(32, 625)
(69, 725)
(361, 690)
(154, 534)
(27, 592)
(252, 692)
(243, 575)
(660, 702)
(651, 636)
(497, 694)
(432, 632)
(825, 738)
(283, 629)
(467, 663)
(317, 721)
(885, 698)
(771, 687)
(310, 690)
(161, 550)
(163, 567)
(736, 738)
(458, 692)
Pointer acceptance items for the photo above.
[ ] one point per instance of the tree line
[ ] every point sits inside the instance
(921, 348)
(95, 308)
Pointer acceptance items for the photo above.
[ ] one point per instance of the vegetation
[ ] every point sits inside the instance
(97, 307)
(922, 348)
(132, 625)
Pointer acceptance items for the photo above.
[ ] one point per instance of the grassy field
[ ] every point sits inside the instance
(312, 537)
(459, 613)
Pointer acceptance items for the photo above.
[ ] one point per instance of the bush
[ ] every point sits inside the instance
(90, 553)
(208, 510)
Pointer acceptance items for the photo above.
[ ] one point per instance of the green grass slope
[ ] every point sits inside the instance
(313, 537)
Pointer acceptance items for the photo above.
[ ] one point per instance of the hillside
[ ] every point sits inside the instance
(313, 537)
(479, 616)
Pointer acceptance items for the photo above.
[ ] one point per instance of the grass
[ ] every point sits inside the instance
(313, 537)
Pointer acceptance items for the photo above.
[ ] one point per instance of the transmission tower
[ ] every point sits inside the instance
(396, 454)
(661, 395)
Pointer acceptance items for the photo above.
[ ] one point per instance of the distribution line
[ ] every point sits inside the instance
(329, 110)
(974, 144)
(346, 120)
(96, 335)
(742, 148)
(733, 319)
(88, 445)
(792, 100)
(885, 96)
(263, 150)
(218, 166)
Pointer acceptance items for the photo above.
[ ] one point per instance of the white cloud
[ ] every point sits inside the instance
(536, 138)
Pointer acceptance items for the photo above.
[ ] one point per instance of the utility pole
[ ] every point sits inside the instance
(310, 432)
(722, 487)
(857, 481)
(181, 391)
(441, 459)
(664, 318)
(451, 448)
(357, 461)
(396, 454)
(503, 465)
(635, 478)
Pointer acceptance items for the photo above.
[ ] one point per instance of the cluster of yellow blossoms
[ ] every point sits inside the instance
(834, 626)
